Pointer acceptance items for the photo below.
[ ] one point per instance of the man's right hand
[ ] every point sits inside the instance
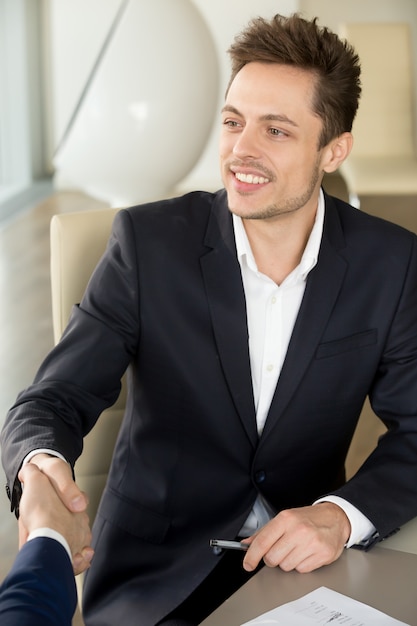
(52, 499)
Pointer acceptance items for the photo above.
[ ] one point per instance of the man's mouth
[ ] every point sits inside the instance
(251, 179)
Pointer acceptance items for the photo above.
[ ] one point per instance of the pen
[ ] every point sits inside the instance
(228, 545)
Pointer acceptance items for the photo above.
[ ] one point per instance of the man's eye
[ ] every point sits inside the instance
(230, 123)
(277, 132)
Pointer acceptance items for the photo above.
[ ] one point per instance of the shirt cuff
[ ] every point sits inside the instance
(361, 528)
(30, 456)
(51, 534)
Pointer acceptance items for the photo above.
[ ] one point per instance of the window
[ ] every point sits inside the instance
(21, 143)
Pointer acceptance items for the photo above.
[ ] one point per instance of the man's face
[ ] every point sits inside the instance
(269, 159)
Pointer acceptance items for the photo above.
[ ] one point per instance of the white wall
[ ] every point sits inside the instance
(74, 31)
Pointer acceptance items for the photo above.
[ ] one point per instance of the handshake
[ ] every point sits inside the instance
(41, 507)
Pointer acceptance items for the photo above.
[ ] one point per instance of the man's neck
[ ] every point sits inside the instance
(278, 246)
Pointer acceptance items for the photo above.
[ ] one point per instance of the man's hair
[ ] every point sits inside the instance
(303, 44)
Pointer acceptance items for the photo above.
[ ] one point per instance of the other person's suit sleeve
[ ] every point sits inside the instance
(40, 588)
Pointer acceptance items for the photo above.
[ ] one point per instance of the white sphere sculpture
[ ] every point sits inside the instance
(147, 111)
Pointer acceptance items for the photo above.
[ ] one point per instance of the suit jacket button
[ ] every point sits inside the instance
(260, 477)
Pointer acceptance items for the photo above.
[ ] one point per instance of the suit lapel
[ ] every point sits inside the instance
(323, 285)
(222, 277)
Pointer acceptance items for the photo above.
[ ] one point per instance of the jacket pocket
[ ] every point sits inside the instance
(353, 342)
(133, 518)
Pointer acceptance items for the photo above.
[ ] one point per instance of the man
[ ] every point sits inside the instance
(254, 321)
(40, 587)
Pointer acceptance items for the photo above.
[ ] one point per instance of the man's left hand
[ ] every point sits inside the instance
(303, 539)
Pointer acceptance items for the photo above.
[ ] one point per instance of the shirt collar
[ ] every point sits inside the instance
(311, 251)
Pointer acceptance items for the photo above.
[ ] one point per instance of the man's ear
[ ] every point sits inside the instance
(336, 152)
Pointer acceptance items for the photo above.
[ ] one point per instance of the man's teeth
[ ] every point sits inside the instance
(253, 180)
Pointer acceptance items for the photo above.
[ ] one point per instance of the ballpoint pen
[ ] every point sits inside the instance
(228, 545)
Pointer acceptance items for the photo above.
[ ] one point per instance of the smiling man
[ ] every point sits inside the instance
(255, 322)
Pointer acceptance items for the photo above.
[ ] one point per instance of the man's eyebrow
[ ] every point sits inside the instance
(278, 118)
(269, 117)
(228, 108)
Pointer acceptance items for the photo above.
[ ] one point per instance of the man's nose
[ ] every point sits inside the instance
(247, 144)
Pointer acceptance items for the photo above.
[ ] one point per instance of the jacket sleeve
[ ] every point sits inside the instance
(385, 487)
(40, 587)
(81, 376)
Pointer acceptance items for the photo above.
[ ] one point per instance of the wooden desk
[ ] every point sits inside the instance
(384, 579)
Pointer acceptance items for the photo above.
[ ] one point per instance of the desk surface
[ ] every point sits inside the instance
(384, 579)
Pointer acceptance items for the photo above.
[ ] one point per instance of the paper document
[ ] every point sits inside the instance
(324, 606)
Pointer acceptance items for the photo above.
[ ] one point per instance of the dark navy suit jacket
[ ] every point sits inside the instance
(40, 588)
(167, 300)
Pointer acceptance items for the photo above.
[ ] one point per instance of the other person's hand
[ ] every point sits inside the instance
(303, 539)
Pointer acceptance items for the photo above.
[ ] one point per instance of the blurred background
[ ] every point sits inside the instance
(114, 102)
(53, 54)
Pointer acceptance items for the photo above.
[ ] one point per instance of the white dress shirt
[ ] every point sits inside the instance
(271, 313)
